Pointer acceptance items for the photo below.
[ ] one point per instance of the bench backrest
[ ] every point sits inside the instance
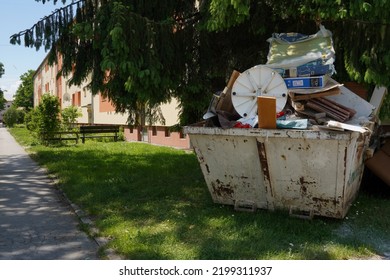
(99, 128)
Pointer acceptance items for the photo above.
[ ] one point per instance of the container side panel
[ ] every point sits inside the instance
(302, 173)
(354, 167)
(231, 169)
(314, 172)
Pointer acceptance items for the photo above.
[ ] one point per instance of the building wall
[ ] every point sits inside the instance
(158, 135)
(98, 110)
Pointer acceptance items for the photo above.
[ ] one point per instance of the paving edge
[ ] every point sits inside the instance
(84, 219)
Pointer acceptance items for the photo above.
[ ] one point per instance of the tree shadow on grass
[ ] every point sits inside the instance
(155, 204)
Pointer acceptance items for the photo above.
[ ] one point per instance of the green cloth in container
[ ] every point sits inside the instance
(292, 124)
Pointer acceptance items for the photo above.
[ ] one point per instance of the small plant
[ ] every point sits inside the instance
(69, 117)
(121, 135)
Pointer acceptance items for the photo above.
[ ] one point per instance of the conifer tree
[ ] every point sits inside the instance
(145, 52)
(135, 51)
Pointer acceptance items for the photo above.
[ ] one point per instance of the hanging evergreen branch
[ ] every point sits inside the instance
(46, 30)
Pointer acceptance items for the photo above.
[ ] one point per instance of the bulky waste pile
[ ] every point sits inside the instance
(294, 90)
(268, 140)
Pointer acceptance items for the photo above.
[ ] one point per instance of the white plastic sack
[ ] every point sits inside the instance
(293, 50)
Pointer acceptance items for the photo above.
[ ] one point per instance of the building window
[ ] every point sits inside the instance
(59, 87)
(182, 135)
(154, 130)
(167, 132)
(76, 99)
(105, 105)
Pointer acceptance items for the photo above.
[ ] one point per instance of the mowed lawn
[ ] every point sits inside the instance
(152, 203)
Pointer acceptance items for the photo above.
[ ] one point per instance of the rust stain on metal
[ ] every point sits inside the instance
(264, 164)
(303, 181)
(306, 148)
(303, 190)
(222, 190)
(324, 201)
(360, 148)
(263, 160)
(305, 184)
(345, 162)
(199, 154)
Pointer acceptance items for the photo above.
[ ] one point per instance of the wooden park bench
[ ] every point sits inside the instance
(99, 131)
(63, 135)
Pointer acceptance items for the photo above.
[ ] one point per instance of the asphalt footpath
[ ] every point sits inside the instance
(36, 222)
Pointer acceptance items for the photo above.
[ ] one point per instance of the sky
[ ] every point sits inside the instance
(16, 16)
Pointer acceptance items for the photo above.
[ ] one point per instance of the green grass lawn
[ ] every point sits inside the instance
(152, 203)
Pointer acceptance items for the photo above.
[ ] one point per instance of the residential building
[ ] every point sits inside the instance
(97, 110)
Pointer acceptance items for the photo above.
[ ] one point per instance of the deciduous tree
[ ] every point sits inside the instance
(145, 52)
(24, 95)
(2, 99)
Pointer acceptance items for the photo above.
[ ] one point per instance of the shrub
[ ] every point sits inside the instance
(13, 116)
(44, 120)
(31, 120)
(49, 121)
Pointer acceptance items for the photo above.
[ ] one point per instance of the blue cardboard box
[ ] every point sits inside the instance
(306, 82)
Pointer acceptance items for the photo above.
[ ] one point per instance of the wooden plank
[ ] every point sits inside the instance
(377, 98)
(350, 110)
(299, 97)
(225, 99)
(350, 99)
(333, 108)
(64, 135)
(266, 107)
(320, 108)
(98, 131)
(100, 128)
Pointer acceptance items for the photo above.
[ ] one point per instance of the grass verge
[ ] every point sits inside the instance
(152, 203)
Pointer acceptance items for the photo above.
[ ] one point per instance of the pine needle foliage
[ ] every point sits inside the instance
(142, 53)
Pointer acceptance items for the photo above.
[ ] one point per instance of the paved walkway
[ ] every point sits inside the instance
(35, 222)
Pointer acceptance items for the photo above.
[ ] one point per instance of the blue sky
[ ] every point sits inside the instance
(15, 16)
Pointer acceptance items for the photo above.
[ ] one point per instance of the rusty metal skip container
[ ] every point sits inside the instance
(305, 172)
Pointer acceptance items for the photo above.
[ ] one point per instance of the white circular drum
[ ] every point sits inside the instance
(258, 81)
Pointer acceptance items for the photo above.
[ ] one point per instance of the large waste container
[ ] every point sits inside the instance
(306, 172)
